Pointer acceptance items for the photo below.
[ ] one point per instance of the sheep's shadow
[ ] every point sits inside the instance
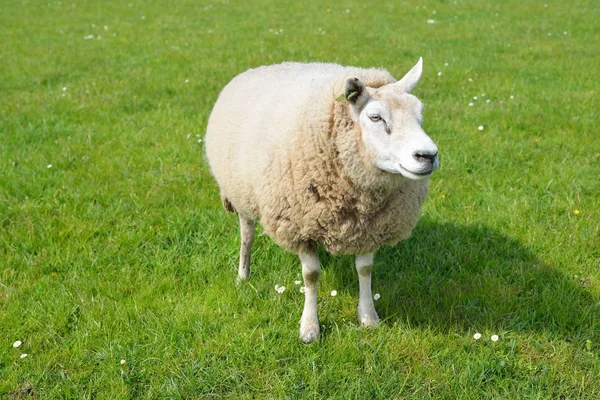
(465, 278)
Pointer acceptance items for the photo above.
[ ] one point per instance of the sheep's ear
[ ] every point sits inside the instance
(356, 92)
(410, 80)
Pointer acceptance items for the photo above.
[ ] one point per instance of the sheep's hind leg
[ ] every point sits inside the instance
(247, 238)
(366, 309)
(309, 323)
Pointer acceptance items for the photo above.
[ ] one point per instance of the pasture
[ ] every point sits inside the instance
(118, 263)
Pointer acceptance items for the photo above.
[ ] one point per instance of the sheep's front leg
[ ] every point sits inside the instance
(247, 237)
(309, 323)
(366, 309)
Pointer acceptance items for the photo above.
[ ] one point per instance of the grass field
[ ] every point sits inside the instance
(118, 264)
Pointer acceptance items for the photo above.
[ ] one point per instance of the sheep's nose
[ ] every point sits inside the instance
(425, 157)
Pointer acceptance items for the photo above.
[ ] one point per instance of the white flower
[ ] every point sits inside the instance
(64, 89)
(470, 80)
(123, 362)
(470, 104)
(377, 296)
(199, 140)
(279, 289)
(333, 293)
(105, 27)
(440, 73)
(297, 282)
(187, 81)
(88, 37)
(565, 33)
(16, 344)
(488, 100)
(23, 355)
(512, 97)
(475, 97)
(495, 338)
(445, 64)
(302, 289)
(480, 127)
(431, 21)
(49, 166)
(477, 336)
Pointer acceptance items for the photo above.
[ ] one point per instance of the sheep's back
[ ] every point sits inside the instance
(254, 122)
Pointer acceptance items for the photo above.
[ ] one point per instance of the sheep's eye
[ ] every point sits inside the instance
(375, 117)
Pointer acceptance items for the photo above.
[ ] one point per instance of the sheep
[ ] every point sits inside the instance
(322, 155)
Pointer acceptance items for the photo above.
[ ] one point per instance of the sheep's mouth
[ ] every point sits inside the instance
(415, 175)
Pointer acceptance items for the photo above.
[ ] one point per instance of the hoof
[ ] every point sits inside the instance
(243, 274)
(309, 333)
(368, 320)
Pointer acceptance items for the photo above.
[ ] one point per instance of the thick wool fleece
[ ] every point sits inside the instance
(286, 153)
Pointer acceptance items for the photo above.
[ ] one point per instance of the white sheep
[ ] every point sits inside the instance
(315, 169)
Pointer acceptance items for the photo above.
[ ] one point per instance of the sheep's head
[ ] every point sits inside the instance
(392, 126)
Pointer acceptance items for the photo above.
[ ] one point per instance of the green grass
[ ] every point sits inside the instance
(121, 251)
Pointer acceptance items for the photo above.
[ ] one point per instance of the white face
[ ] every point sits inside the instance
(393, 135)
(391, 120)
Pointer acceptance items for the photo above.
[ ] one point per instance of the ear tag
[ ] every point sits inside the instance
(352, 95)
(343, 96)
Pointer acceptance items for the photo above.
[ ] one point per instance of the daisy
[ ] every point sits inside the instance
(280, 289)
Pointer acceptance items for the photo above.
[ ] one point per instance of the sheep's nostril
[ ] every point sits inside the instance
(424, 157)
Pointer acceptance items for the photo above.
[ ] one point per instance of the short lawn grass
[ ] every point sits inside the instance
(118, 265)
